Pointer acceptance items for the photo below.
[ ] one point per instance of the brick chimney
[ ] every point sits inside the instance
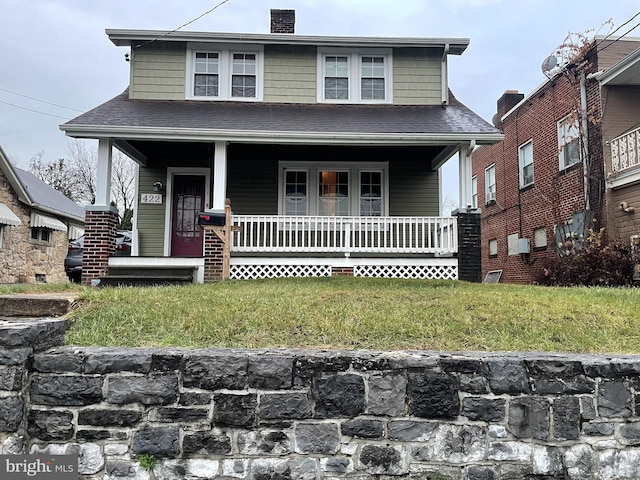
(283, 21)
(508, 100)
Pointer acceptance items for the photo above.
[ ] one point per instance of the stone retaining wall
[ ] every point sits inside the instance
(298, 414)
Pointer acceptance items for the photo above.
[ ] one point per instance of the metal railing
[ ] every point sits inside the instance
(625, 151)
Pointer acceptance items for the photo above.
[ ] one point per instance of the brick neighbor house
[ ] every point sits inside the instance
(543, 186)
(36, 224)
(328, 148)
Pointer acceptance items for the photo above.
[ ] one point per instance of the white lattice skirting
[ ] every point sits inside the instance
(248, 272)
(259, 271)
(431, 272)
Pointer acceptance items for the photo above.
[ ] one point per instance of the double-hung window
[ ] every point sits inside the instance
(224, 73)
(346, 76)
(329, 189)
(474, 192)
(568, 141)
(490, 184)
(525, 161)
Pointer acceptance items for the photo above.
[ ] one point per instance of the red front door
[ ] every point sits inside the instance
(187, 202)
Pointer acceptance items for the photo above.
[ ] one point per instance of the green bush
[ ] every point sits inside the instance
(600, 262)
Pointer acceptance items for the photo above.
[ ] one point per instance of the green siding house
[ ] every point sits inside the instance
(327, 149)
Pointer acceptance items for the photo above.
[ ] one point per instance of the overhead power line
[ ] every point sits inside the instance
(38, 100)
(184, 25)
(34, 111)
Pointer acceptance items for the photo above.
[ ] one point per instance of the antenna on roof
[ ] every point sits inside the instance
(549, 64)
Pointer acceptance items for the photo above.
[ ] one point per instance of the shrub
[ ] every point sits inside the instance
(600, 262)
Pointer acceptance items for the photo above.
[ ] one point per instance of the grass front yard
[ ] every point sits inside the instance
(361, 313)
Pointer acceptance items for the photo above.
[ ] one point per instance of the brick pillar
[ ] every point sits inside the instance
(213, 256)
(469, 245)
(100, 229)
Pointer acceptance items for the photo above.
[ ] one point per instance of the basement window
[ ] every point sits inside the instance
(41, 235)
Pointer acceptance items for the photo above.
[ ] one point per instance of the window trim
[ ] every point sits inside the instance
(354, 170)
(38, 231)
(474, 191)
(522, 165)
(225, 70)
(354, 62)
(562, 140)
(492, 241)
(487, 184)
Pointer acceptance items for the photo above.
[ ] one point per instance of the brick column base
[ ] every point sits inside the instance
(213, 252)
(100, 230)
(469, 245)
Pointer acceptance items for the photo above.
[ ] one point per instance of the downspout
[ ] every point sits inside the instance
(445, 75)
(585, 139)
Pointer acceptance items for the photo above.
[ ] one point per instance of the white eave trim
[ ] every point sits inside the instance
(7, 217)
(258, 136)
(126, 37)
(43, 221)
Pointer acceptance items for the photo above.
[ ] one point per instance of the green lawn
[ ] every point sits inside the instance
(358, 313)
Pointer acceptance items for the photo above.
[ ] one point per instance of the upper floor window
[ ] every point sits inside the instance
(490, 184)
(568, 141)
(222, 73)
(331, 189)
(354, 76)
(525, 160)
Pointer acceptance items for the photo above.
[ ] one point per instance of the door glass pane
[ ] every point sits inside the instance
(333, 193)
(371, 194)
(295, 202)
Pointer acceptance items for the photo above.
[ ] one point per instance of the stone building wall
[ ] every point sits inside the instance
(312, 414)
(21, 258)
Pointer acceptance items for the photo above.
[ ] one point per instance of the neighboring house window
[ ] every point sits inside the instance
(474, 192)
(525, 160)
(40, 234)
(512, 244)
(493, 248)
(540, 238)
(346, 76)
(220, 73)
(490, 184)
(334, 190)
(568, 141)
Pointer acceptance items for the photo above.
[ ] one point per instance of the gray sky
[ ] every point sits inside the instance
(57, 51)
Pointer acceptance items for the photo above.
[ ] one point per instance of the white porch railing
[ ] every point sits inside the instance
(625, 151)
(306, 234)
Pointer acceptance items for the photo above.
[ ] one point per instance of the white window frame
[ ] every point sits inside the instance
(354, 170)
(540, 238)
(474, 191)
(490, 188)
(39, 231)
(525, 159)
(354, 61)
(225, 70)
(568, 132)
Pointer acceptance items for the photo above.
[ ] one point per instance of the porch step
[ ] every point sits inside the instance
(147, 276)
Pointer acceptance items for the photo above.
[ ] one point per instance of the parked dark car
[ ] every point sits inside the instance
(73, 260)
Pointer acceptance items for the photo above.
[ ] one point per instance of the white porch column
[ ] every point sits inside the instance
(219, 176)
(465, 174)
(103, 175)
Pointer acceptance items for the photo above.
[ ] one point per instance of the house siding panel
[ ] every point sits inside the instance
(151, 218)
(417, 78)
(412, 192)
(290, 74)
(252, 186)
(158, 72)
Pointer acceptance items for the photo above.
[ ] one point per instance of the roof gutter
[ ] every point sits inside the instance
(444, 69)
(259, 136)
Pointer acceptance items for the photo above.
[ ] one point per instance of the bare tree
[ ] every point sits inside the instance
(75, 177)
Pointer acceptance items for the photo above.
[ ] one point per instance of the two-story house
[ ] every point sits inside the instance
(544, 186)
(328, 148)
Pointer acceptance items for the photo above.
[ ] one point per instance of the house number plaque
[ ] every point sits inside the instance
(151, 198)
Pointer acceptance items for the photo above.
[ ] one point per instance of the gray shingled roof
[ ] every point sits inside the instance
(44, 195)
(284, 117)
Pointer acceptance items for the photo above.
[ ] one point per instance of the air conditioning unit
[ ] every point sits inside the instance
(490, 197)
(524, 246)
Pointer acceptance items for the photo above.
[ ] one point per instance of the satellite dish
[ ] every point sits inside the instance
(495, 120)
(549, 64)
